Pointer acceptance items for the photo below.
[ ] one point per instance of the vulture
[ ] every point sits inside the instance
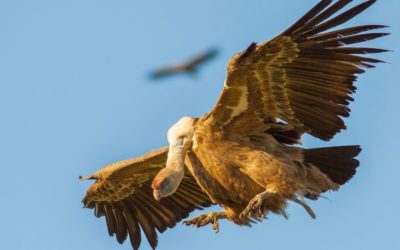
(190, 66)
(244, 155)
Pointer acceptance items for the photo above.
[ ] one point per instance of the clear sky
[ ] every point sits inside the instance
(75, 96)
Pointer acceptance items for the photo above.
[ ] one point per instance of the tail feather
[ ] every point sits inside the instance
(337, 163)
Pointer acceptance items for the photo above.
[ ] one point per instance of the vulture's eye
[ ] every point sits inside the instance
(163, 184)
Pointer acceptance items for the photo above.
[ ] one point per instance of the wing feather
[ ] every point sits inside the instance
(99, 210)
(305, 76)
(122, 231)
(133, 227)
(145, 222)
(338, 20)
(334, 8)
(122, 193)
(154, 211)
(346, 32)
(308, 16)
(110, 220)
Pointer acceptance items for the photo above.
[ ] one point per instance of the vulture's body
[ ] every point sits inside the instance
(244, 153)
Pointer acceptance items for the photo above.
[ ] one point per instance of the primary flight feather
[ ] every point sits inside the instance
(242, 154)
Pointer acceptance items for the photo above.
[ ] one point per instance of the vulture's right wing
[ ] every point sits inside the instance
(122, 193)
(304, 76)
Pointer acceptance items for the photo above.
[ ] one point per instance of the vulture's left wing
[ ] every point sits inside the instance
(304, 76)
(122, 193)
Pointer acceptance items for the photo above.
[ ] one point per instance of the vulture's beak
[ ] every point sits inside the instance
(157, 195)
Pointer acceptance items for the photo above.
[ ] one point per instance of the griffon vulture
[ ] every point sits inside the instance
(242, 155)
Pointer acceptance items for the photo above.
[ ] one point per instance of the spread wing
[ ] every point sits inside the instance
(304, 77)
(122, 193)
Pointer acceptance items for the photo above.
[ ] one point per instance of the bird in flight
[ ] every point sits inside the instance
(244, 154)
(190, 66)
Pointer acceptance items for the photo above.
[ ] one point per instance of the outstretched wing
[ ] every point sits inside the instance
(122, 193)
(305, 76)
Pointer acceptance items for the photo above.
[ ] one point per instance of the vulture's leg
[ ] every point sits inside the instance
(256, 205)
(206, 219)
(306, 207)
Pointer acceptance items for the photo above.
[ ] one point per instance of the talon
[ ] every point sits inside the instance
(205, 219)
(243, 213)
(216, 225)
(261, 211)
(256, 206)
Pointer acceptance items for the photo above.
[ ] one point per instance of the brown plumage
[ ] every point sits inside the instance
(122, 193)
(242, 154)
(189, 66)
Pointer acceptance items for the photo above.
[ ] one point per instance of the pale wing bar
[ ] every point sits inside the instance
(305, 76)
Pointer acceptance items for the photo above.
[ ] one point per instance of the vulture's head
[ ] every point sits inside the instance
(166, 182)
(181, 133)
(180, 140)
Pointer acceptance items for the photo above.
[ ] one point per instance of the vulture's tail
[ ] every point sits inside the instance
(337, 163)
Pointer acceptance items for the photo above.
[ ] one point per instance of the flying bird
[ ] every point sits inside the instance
(244, 154)
(190, 66)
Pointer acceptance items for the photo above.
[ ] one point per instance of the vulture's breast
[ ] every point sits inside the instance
(214, 166)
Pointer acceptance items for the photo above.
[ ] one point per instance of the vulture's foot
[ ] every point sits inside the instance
(303, 204)
(205, 219)
(256, 207)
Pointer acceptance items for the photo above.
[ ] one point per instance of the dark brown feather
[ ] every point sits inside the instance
(340, 19)
(348, 50)
(345, 32)
(340, 41)
(122, 192)
(153, 211)
(283, 133)
(306, 17)
(326, 13)
(99, 210)
(110, 219)
(133, 227)
(122, 232)
(336, 162)
(145, 223)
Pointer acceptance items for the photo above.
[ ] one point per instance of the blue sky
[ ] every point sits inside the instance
(74, 97)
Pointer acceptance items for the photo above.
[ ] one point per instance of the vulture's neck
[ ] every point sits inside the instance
(175, 162)
(180, 140)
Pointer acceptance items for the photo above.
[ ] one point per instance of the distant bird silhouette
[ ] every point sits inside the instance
(189, 66)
